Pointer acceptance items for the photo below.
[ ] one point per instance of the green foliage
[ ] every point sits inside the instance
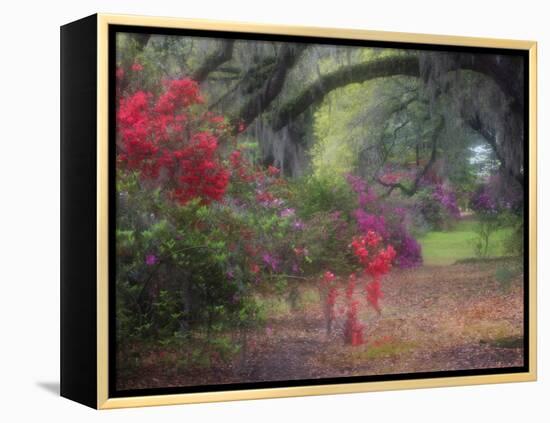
(327, 194)
(432, 211)
(488, 225)
(514, 243)
(183, 288)
(327, 239)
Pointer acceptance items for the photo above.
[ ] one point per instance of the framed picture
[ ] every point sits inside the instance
(253, 211)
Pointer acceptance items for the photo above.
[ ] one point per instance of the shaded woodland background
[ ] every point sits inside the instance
(314, 149)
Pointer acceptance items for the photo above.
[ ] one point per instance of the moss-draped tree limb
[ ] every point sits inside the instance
(260, 101)
(357, 73)
(506, 71)
(214, 60)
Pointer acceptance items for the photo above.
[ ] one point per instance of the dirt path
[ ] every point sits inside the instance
(434, 318)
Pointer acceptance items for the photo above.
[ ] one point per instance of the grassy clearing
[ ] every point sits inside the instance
(441, 248)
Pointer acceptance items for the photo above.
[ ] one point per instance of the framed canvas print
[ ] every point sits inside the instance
(253, 211)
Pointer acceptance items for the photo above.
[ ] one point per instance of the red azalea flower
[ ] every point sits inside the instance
(273, 171)
(156, 138)
(119, 74)
(374, 293)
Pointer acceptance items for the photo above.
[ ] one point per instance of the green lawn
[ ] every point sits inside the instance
(442, 248)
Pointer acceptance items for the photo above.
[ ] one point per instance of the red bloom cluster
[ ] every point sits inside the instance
(264, 197)
(359, 250)
(376, 262)
(353, 329)
(361, 244)
(328, 277)
(381, 264)
(200, 174)
(374, 293)
(179, 94)
(241, 127)
(241, 167)
(170, 144)
(273, 171)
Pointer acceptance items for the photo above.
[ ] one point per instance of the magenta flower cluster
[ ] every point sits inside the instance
(447, 199)
(386, 221)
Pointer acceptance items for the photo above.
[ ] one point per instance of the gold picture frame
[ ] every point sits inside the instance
(101, 215)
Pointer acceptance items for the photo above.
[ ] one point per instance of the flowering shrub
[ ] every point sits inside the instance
(171, 143)
(183, 266)
(353, 329)
(497, 195)
(408, 249)
(375, 262)
(447, 199)
(373, 215)
(393, 174)
(365, 194)
(484, 202)
(496, 207)
(203, 227)
(367, 222)
(438, 205)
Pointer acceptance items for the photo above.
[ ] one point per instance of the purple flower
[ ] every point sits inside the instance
(288, 212)
(298, 225)
(370, 222)
(409, 251)
(335, 215)
(151, 260)
(230, 274)
(356, 183)
(447, 199)
(400, 212)
(365, 195)
(271, 261)
(483, 202)
(277, 202)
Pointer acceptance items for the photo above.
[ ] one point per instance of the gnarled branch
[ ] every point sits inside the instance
(258, 103)
(433, 156)
(361, 72)
(216, 59)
